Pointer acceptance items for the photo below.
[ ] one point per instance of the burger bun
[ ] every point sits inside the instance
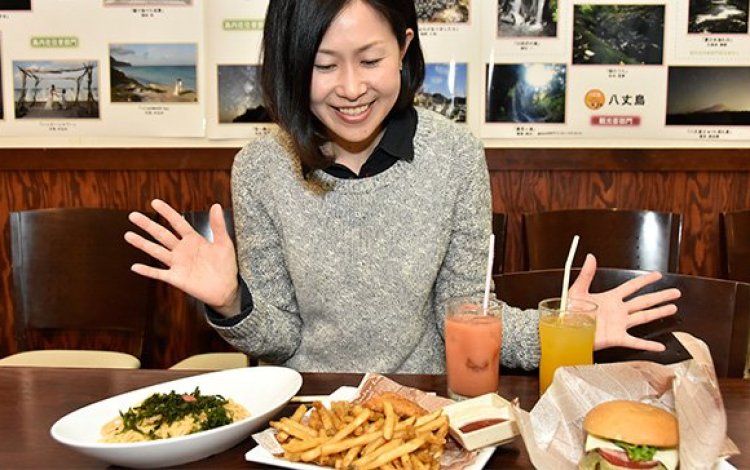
(634, 423)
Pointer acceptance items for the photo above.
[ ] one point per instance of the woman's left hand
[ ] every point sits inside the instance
(616, 315)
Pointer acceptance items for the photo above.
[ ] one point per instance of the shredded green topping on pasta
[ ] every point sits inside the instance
(208, 412)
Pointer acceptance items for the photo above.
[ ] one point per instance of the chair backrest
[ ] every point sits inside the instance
(628, 239)
(714, 310)
(499, 222)
(72, 284)
(735, 244)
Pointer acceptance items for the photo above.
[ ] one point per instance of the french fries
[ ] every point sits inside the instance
(383, 434)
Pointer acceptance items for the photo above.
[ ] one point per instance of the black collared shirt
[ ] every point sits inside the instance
(397, 144)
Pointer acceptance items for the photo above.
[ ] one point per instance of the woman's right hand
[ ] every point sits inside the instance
(200, 268)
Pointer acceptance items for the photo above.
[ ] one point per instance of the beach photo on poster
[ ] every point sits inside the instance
(12, 5)
(444, 90)
(533, 93)
(443, 11)
(717, 16)
(147, 2)
(708, 96)
(618, 34)
(240, 99)
(153, 73)
(56, 89)
(527, 18)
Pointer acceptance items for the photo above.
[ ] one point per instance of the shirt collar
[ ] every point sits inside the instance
(398, 138)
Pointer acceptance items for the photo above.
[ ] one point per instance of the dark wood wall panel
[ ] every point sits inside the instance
(698, 183)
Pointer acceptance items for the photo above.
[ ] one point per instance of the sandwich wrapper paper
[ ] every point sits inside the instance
(553, 430)
(454, 458)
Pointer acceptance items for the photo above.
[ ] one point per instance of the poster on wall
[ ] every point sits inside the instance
(106, 68)
(154, 73)
(529, 71)
(452, 84)
(51, 70)
(621, 76)
(235, 108)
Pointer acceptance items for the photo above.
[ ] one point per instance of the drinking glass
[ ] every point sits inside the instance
(473, 338)
(565, 339)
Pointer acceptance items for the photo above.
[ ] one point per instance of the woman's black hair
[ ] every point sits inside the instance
(292, 34)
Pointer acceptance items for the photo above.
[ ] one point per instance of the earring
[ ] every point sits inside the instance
(400, 66)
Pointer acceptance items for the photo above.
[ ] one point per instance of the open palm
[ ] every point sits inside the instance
(616, 315)
(203, 269)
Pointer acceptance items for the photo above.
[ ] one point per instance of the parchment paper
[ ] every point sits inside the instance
(553, 430)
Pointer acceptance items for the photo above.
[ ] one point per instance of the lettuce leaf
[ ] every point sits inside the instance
(637, 453)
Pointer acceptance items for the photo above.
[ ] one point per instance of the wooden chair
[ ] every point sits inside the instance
(76, 302)
(628, 239)
(714, 310)
(735, 244)
(499, 222)
(212, 352)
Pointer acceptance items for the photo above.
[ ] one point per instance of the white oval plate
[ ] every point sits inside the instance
(262, 390)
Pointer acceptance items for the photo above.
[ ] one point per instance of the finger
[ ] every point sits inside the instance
(150, 271)
(175, 219)
(583, 282)
(218, 225)
(157, 231)
(638, 343)
(645, 301)
(645, 316)
(152, 249)
(632, 286)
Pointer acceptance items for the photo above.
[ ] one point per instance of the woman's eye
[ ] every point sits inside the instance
(371, 63)
(324, 67)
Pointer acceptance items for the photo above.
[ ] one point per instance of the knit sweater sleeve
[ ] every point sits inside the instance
(272, 331)
(464, 266)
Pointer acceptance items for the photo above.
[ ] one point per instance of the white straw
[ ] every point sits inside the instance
(566, 276)
(488, 278)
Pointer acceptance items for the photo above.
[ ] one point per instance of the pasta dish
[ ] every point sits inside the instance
(162, 416)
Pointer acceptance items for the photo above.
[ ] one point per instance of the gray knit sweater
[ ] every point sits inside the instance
(352, 274)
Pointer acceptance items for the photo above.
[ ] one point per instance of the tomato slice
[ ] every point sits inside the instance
(616, 457)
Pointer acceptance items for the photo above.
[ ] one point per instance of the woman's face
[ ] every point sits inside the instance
(356, 78)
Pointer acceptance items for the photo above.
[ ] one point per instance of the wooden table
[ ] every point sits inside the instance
(32, 399)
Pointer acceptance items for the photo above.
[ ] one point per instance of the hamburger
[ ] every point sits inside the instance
(626, 434)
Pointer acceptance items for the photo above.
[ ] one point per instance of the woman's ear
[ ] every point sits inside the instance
(408, 36)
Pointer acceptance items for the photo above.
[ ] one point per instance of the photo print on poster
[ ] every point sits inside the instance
(56, 89)
(717, 16)
(147, 2)
(11, 5)
(444, 90)
(153, 73)
(443, 11)
(527, 18)
(240, 99)
(618, 34)
(708, 96)
(532, 93)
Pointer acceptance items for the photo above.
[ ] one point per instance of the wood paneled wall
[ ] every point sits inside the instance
(699, 183)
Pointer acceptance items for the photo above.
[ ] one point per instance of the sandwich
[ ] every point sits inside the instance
(626, 434)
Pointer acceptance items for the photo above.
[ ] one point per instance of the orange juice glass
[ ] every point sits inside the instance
(473, 338)
(565, 340)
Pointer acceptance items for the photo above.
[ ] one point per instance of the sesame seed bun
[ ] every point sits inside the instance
(634, 423)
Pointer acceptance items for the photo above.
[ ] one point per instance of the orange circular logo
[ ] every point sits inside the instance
(594, 99)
